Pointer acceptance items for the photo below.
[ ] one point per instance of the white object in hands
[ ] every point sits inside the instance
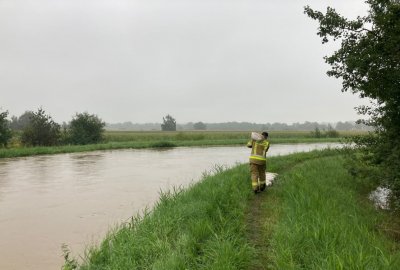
(256, 136)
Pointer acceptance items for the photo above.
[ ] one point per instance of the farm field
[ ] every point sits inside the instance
(159, 139)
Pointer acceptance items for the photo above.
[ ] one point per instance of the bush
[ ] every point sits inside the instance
(331, 133)
(5, 131)
(316, 133)
(85, 128)
(41, 130)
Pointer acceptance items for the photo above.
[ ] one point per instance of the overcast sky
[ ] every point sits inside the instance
(198, 60)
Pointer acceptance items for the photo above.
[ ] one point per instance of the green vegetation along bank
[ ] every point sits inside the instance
(158, 139)
(315, 216)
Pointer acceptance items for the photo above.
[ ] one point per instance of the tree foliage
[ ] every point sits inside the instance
(41, 130)
(5, 131)
(169, 123)
(21, 122)
(368, 62)
(85, 128)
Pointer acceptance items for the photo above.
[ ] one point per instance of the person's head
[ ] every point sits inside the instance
(265, 134)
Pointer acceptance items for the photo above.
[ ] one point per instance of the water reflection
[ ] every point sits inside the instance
(74, 198)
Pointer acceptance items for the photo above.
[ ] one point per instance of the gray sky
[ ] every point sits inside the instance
(198, 60)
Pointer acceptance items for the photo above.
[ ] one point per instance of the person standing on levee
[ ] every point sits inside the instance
(258, 161)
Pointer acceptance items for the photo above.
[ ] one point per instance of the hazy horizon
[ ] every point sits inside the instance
(257, 123)
(133, 60)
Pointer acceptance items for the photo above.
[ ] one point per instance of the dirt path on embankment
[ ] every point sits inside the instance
(260, 224)
(320, 200)
(262, 214)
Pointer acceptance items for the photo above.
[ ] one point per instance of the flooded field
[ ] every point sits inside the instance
(46, 201)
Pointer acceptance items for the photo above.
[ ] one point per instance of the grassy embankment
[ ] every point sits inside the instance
(314, 217)
(157, 139)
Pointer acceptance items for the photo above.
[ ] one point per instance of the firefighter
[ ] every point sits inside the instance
(258, 162)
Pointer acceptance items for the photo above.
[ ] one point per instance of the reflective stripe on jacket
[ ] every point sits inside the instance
(258, 151)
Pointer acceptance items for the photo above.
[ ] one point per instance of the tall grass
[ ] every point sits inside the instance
(322, 223)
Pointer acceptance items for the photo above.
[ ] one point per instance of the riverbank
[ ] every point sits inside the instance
(137, 144)
(317, 216)
(313, 217)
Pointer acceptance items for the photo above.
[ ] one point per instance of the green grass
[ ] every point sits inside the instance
(312, 218)
(315, 218)
(198, 228)
(156, 139)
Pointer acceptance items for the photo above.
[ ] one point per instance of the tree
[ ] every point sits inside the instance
(169, 123)
(85, 128)
(5, 131)
(20, 123)
(199, 126)
(368, 62)
(41, 130)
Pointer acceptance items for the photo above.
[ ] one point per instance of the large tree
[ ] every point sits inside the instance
(368, 62)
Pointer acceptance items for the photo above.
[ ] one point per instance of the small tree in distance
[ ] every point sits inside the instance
(199, 126)
(85, 128)
(5, 131)
(169, 123)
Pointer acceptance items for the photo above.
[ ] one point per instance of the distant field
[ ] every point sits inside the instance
(125, 136)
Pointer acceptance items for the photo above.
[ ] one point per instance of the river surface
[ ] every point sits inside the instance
(75, 199)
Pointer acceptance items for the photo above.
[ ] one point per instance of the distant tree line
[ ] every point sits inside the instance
(37, 128)
(242, 126)
(169, 124)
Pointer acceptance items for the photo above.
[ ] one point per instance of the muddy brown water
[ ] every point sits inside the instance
(75, 199)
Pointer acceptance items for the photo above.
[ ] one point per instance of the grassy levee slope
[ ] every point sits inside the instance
(312, 218)
(315, 218)
(197, 228)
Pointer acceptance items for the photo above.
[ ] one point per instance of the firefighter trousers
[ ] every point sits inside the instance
(257, 176)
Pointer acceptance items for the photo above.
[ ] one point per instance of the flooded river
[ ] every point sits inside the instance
(46, 201)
